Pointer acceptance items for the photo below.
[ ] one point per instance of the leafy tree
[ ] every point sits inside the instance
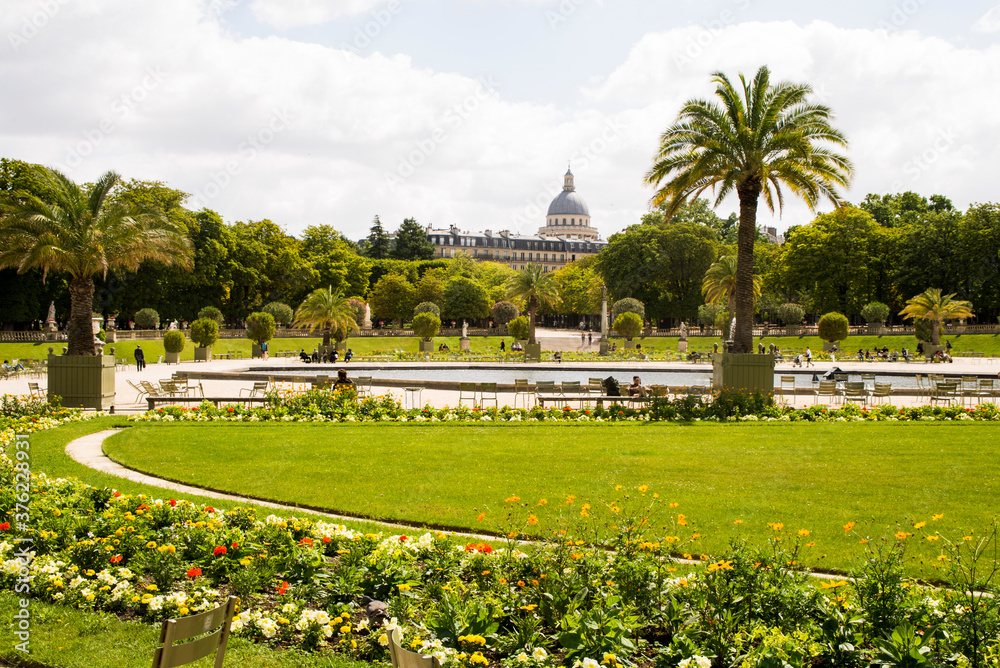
(329, 310)
(173, 342)
(935, 308)
(628, 324)
(791, 314)
(580, 287)
(503, 312)
(754, 139)
(392, 298)
(465, 298)
(205, 332)
(83, 234)
(426, 325)
(335, 261)
(628, 305)
(519, 327)
(719, 283)
(537, 287)
(412, 242)
(377, 245)
(212, 313)
(430, 287)
(708, 313)
(427, 307)
(875, 313)
(147, 318)
(260, 327)
(359, 309)
(282, 312)
(833, 327)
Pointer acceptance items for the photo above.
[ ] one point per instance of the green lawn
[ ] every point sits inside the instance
(816, 477)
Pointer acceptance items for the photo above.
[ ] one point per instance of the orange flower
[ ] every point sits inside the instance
(532, 520)
(738, 522)
(804, 532)
(482, 516)
(682, 520)
(848, 526)
(674, 504)
(777, 526)
(920, 525)
(937, 517)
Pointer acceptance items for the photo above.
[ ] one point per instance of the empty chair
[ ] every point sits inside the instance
(855, 391)
(363, 386)
(259, 389)
(595, 386)
(923, 386)
(986, 389)
(215, 622)
(869, 380)
(488, 392)
(881, 392)
(35, 392)
(152, 390)
(788, 384)
(944, 391)
(522, 391)
(545, 387)
(138, 388)
(970, 389)
(466, 392)
(828, 390)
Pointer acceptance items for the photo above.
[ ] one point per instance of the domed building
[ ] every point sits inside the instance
(568, 215)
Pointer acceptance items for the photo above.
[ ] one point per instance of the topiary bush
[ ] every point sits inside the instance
(628, 305)
(504, 311)
(204, 332)
(212, 313)
(173, 342)
(833, 327)
(260, 327)
(628, 324)
(427, 307)
(426, 325)
(875, 313)
(147, 318)
(282, 313)
(519, 328)
(791, 314)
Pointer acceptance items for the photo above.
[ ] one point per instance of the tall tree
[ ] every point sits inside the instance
(328, 309)
(377, 244)
(535, 286)
(392, 298)
(753, 140)
(465, 298)
(936, 308)
(720, 283)
(83, 234)
(412, 242)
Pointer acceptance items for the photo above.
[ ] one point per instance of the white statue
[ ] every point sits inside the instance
(684, 330)
(465, 329)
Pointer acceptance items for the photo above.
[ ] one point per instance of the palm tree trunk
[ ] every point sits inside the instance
(749, 192)
(531, 320)
(81, 332)
(936, 332)
(326, 336)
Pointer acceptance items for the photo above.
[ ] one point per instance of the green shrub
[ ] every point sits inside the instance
(519, 328)
(708, 313)
(875, 313)
(211, 313)
(791, 314)
(722, 322)
(504, 311)
(204, 332)
(628, 324)
(427, 307)
(833, 327)
(147, 318)
(173, 342)
(260, 327)
(628, 305)
(426, 325)
(282, 313)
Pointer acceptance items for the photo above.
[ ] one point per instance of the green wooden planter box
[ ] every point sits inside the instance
(82, 382)
(532, 352)
(743, 372)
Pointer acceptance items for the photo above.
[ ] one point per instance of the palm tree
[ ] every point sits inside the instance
(329, 310)
(538, 287)
(932, 306)
(754, 139)
(720, 283)
(81, 232)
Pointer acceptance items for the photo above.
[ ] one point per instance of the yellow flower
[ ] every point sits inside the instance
(244, 562)
(532, 520)
(738, 522)
(920, 525)
(151, 545)
(682, 520)
(777, 526)
(834, 585)
(804, 532)
(152, 587)
(937, 517)
(933, 538)
(529, 608)
(900, 535)
(345, 629)
(404, 587)
(512, 499)
(543, 502)
(184, 611)
(643, 488)
(848, 526)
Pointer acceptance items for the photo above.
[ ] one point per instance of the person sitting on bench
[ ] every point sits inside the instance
(342, 380)
(637, 389)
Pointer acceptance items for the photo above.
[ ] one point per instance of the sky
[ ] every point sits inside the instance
(467, 112)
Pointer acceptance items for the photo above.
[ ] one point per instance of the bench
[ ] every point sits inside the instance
(599, 399)
(152, 401)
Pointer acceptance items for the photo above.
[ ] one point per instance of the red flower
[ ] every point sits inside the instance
(485, 548)
(142, 507)
(116, 559)
(117, 494)
(194, 572)
(306, 541)
(326, 539)
(235, 545)
(221, 549)
(283, 587)
(4, 526)
(209, 509)
(173, 503)
(403, 539)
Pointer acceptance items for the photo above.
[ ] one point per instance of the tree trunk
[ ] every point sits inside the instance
(81, 330)
(936, 332)
(326, 337)
(531, 320)
(749, 192)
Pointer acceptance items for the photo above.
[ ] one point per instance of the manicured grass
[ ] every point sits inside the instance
(816, 477)
(70, 638)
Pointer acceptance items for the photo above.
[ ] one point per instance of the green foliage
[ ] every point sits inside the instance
(377, 245)
(146, 318)
(260, 327)
(503, 312)
(519, 328)
(426, 325)
(708, 313)
(875, 313)
(359, 309)
(412, 242)
(330, 310)
(833, 327)
(628, 324)
(173, 342)
(212, 313)
(204, 332)
(427, 307)
(282, 313)
(628, 305)
(791, 314)
(392, 298)
(465, 298)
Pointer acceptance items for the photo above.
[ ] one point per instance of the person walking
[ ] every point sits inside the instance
(590, 338)
(140, 359)
(809, 357)
(502, 345)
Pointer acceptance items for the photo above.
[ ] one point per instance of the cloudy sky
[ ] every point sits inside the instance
(466, 112)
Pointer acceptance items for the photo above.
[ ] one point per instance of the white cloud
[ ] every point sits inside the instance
(990, 21)
(284, 14)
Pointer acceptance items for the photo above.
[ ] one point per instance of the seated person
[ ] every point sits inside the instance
(694, 356)
(342, 380)
(348, 355)
(304, 356)
(315, 355)
(895, 356)
(443, 347)
(8, 367)
(557, 356)
(637, 389)
(334, 355)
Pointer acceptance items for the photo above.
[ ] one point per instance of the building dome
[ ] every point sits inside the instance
(570, 203)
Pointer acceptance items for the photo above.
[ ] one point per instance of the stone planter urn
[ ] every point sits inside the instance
(255, 351)
(629, 345)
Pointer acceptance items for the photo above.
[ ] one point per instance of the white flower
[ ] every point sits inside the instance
(522, 657)
(540, 654)
(590, 663)
(695, 662)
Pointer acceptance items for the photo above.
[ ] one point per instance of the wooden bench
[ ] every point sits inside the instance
(599, 399)
(152, 401)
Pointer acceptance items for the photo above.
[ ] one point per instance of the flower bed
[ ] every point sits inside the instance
(344, 406)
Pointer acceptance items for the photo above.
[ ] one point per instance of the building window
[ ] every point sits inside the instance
(522, 258)
(573, 258)
(572, 221)
(564, 221)
(562, 258)
(546, 257)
